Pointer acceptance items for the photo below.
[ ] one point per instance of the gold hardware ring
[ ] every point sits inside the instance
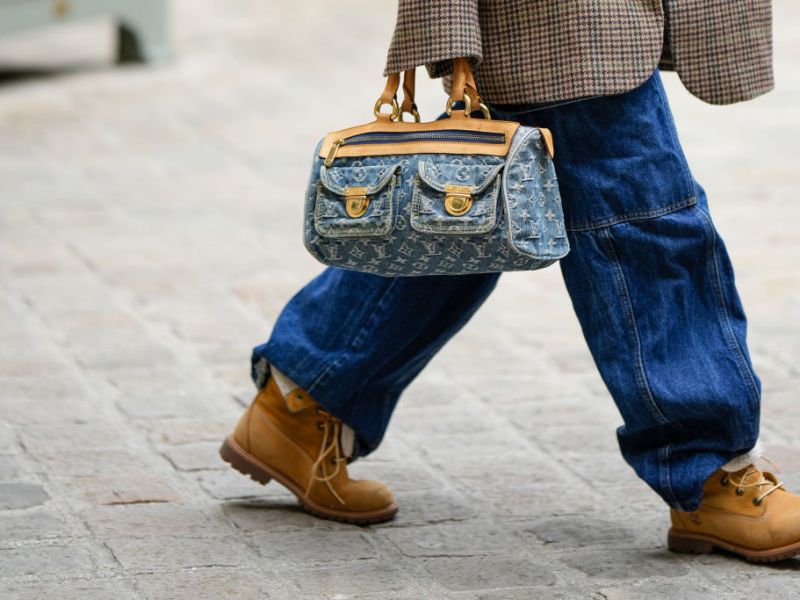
(468, 107)
(413, 112)
(395, 109)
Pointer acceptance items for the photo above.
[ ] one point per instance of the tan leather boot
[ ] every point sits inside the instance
(295, 442)
(748, 513)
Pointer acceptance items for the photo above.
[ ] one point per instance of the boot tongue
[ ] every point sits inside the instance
(347, 439)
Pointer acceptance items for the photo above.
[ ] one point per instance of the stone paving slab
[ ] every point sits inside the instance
(149, 236)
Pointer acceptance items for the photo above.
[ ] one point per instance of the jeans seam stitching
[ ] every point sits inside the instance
(357, 338)
(622, 288)
(666, 479)
(733, 344)
(635, 215)
(322, 376)
(620, 281)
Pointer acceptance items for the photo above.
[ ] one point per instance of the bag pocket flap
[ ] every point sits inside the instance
(374, 178)
(478, 177)
(455, 198)
(356, 201)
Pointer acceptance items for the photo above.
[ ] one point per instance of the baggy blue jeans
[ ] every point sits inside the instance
(649, 278)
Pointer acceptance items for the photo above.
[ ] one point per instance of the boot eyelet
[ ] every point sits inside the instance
(320, 425)
(757, 502)
(739, 491)
(724, 480)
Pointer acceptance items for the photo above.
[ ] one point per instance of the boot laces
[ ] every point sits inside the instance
(331, 432)
(759, 481)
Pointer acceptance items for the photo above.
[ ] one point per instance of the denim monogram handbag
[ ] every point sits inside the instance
(455, 196)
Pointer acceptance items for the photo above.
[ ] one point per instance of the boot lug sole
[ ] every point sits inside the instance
(695, 543)
(247, 464)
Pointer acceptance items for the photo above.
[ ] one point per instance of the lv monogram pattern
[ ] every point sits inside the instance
(515, 221)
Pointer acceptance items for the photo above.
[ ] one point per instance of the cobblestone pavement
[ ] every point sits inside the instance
(149, 235)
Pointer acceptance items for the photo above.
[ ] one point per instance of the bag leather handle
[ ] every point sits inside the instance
(463, 81)
(389, 97)
(409, 105)
(463, 90)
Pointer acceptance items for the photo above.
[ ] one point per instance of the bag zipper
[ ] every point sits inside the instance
(442, 135)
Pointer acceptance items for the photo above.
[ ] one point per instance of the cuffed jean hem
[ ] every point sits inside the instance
(703, 469)
(738, 461)
(692, 503)
(735, 464)
(261, 370)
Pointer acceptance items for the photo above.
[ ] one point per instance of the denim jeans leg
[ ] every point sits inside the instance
(653, 289)
(659, 309)
(356, 340)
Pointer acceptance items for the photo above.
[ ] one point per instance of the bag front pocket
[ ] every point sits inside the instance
(455, 198)
(355, 201)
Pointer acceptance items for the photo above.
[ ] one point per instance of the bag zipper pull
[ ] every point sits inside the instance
(332, 153)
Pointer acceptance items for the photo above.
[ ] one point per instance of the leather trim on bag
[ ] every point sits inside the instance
(508, 128)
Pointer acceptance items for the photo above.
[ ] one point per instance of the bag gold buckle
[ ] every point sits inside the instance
(356, 201)
(457, 199)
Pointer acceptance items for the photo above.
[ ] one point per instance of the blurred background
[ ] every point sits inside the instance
(150, 232)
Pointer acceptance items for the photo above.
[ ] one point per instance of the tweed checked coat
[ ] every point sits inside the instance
(527, 51)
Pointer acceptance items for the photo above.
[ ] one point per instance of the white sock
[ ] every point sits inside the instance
(285, 385)
(740, 462)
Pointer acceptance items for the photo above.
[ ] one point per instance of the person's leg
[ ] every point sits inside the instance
(660, 312)
(653, 289)
(354, 341)
(342, 351)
